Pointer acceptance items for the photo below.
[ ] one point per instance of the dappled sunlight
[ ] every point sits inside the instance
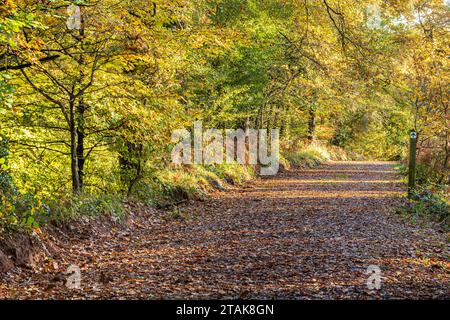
(353, 194)
(280, 237)
(337, 171)
(329, 183)
(223, 149)
(325, 181)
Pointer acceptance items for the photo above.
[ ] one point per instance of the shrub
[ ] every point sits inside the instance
(304, 158)
(172, 186)
(426, 174)
(314, 154)
(311, 156)
(233, 173)
(7, 188)
(16, 210)
(86, 206)
(428, 204)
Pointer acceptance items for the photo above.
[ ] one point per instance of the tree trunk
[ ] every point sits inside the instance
(80, 143)
(446, 174)
(81, 108)
(73, 152)
(130, 162)
(312, 117)
(311, 124)
(260, 117)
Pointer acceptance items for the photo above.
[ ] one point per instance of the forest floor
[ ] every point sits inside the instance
(304, 234)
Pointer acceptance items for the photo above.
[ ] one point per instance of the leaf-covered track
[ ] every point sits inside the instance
(302, 234)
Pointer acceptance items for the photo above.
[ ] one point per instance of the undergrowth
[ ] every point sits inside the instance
(427, 205)
(171, 186)
(164, 188)
(430, 200)
(313, 155)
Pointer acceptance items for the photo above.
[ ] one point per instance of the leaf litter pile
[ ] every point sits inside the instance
(304, 234)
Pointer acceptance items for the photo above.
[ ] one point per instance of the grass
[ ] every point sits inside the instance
(306, 158)
(165, 188)
(32, 212)
(87, 206)
(310, 156)
(314, 154)
(430, 201)
(429, 205)
(342, 176)
(171, 186)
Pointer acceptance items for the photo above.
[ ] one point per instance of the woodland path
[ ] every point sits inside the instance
(304, 234)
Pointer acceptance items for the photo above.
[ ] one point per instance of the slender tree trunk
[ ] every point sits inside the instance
(73, 152)
(446, 174)
(276, 118)
(260, 118)
(270, 116)
(80, 143)
(311, 124)
(80, 111)
(312, 117)
(130, 162)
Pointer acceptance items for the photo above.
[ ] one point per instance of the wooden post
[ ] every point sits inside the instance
(413, 135)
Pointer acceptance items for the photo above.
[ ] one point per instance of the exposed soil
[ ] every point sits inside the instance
(304, 234)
